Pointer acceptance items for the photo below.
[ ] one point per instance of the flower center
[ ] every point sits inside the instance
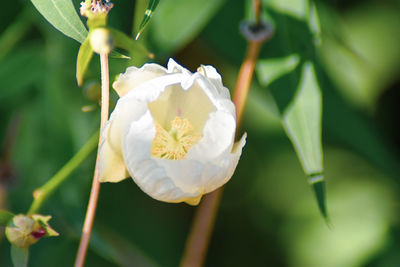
(175, 143)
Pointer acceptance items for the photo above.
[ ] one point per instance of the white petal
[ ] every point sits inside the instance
(216, 95)
(226, 165)
(124, 112)
(151, 90)
(186, 174)
(111, 165)
(174, 67)
(151, 177)
(218, 135)
(175, 101)
(213, 76)
(135, 76)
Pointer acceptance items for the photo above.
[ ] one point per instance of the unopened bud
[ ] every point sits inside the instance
(101, 41)
(19, 232)
(24, 231)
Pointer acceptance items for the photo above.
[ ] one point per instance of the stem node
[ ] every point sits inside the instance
(37, 193)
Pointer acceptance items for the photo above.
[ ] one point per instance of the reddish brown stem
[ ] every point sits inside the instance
(257, 10)
(94, 193)
(244, 79)
(200, 234)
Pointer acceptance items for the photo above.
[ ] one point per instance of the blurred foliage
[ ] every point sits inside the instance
(268, 215)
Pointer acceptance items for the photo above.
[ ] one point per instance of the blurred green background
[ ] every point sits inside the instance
(268, 214)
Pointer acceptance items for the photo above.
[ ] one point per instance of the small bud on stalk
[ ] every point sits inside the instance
(25, 230)
(101, 41)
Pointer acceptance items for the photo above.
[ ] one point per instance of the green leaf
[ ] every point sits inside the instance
(62, 15)
(115, 54)
(147, 16)
(123, 41)
(5, 217)
(270, 69)
(318, 184)
(302, 123)
(313, 22)
(84, 56)
(353, 56)
(19, 256)
(295, 8)
(178, 21)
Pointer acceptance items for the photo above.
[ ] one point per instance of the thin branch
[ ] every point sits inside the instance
(94, 193)
(244, 80)
(200, 234)
(257, 11)
(42, 193)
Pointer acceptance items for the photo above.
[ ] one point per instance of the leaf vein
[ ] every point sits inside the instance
(66, 20)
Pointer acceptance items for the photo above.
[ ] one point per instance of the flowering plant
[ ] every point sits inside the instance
(172, 131)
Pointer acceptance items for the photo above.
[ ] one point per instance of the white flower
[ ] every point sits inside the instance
(172, 131)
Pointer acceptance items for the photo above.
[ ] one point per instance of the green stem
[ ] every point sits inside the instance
(42, 193)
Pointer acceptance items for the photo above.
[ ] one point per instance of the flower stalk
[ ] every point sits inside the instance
(200, 233)
(42, 193)
(95, 190)
(244, 79)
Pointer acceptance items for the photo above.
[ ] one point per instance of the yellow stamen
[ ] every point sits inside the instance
(176, 143)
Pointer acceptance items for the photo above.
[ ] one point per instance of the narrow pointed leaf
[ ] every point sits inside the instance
(123, 41)
(313, 22)
(147, 16)
(84, 56)
(318, 184)
(115, 54)
(62, 15)
(5, 217)
(268, 70)
(302, 122)
(19, 256)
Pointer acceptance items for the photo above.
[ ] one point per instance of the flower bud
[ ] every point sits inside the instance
(25, 230)
(101, 41)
